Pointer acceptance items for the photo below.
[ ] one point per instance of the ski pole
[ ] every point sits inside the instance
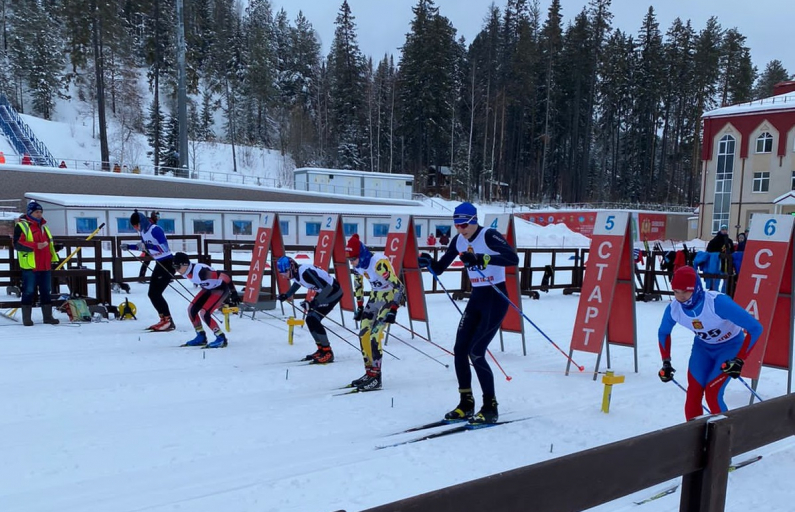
(685, 390)
(581, 368)
(63, 262)
(750, 389)
(507, 377)
(420, 336)
(385, 351)
(420, 351)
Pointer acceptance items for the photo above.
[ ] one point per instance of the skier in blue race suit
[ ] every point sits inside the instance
(485, 253)
(725, 333)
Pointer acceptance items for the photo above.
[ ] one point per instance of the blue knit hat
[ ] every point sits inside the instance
(465, 213)
(33, 206)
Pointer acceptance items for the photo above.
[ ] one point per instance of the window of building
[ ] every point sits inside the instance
(442, 230)
(350, 228)
(418, 231)
(723, 182)
(87, 225)
(761, 181)
(167, 225)
(764, 143)
(381, 230)
(242, 227)
(203, 227)
(792, 181)
(285, 227)
(312, 229)
(124, 227)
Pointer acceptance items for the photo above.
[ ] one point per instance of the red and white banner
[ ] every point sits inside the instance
(764, 289)
(607, 301)
(504, 223)
(330, 252)
(401, 249)
(269, 236)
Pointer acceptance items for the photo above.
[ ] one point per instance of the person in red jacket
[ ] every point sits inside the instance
(26, 160)
(36, 255)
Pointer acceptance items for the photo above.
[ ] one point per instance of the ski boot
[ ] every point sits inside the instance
(314, 355)
(324, 355)
(199, 341)
(46, 313)
(372, 381)
(488, 413)
(465, 408)
(218, 342)
(165, 324)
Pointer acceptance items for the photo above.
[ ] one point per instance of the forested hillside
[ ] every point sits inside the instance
(531, 110)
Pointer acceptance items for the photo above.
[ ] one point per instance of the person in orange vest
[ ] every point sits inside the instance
(26, 160)
(2, 158)
(116, 168)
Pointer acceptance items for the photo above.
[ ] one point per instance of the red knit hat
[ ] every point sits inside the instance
(684, 279)
(354, 247)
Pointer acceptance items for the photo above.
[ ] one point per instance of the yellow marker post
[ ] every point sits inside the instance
(292, 322)
(608, 380)
(227, 310)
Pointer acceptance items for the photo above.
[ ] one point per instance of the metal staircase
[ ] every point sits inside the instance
(21, 136)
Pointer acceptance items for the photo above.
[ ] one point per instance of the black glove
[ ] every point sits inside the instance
(281, 297)
(359, 313)
(667, 371)
(470, 259)
(305, 305)
(733, 367)
(425, 260)
(392, 315)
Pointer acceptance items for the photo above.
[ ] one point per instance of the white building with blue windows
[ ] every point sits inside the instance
(748, 162)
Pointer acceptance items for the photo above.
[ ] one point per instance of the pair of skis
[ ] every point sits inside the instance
(672, 488)
(457, 426)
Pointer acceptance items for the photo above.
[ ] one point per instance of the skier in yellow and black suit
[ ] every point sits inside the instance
(386, 295)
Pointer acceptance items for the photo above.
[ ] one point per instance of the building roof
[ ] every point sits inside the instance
(773, 103)
(216, 205)
(348, 172)
(787, 199)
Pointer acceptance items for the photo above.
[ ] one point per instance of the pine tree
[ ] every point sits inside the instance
(347, 86)
(774, 73)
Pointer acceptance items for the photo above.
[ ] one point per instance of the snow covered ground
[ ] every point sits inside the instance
(105, 417)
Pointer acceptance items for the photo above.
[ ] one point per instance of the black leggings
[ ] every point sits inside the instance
(481, 320)
(158, 284)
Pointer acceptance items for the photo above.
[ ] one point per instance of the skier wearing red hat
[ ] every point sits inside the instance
(724, 336)
(386, 295)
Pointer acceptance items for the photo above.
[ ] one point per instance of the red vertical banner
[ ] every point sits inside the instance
(269, 236)
(401, 249)
(764, 289)
(607, 306)
(330, 252)
(503, 223)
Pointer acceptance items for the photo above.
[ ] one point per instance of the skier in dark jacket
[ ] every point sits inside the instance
(485, 253)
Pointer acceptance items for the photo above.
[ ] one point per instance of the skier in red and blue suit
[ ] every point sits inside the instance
(725, 333)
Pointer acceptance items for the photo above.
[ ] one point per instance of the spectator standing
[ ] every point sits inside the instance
(26, 160)
(444, 240)
(431, 241)
(62, 165)
(36, 255)
(2, 158)
(116, 168)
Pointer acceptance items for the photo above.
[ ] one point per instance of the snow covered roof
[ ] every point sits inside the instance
(787, 199)
(344, 172)
(773, 103)
(224, 205)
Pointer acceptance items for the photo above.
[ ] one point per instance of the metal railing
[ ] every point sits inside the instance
(21, 136)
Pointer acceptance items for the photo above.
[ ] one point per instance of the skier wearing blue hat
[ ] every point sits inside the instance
(485, 253)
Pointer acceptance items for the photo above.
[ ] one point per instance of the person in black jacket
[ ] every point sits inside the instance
(721, 241)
